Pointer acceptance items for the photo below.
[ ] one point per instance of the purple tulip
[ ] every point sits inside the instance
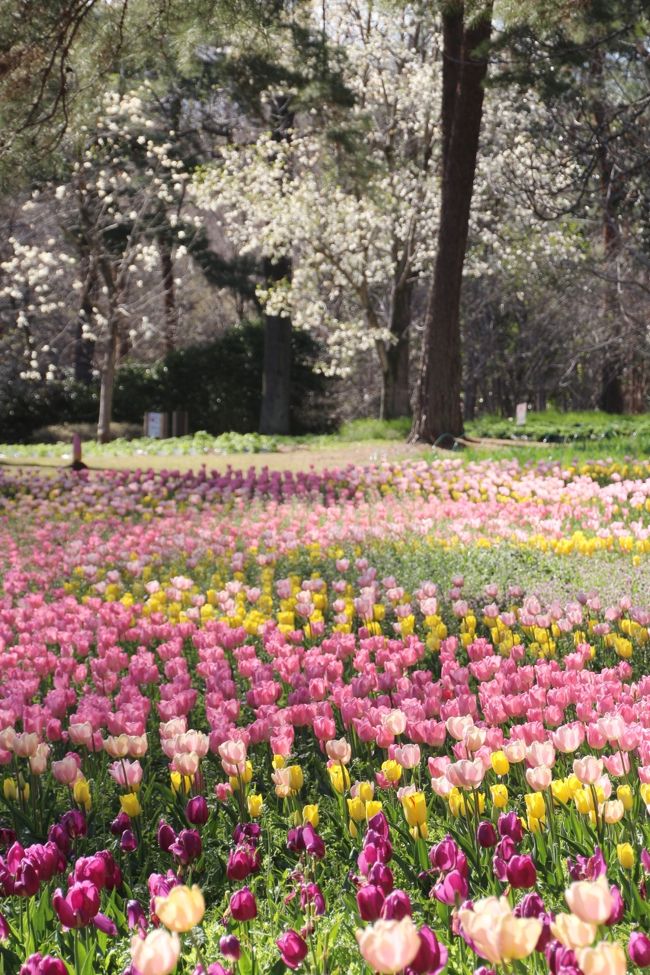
(187, 847)
(370, 901)
(43, 965)
(432, 955)
(486, 835)
(312, 894)
(243, 906)
(74, 822)
(247, 831)
(241, 863)
(379, 824)
(530, 905)
(382, 876)
(587, 868)
(618, 906)
(120, 823)
(314, 844)
(292, 947)
(452, 889)
(128, 841)
(521, 873)
(197, 811)
(135, 916)
(509, 825)
(79, 906)
(444, 855)
(105, 925)
(166, 836)
(638, 948)
(229, 947)
(561, 960)
(396, 906)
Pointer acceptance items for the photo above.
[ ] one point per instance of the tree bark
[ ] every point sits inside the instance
(169, 294)
(107, 383)
(84, 348)
(438, 405)
(276, 378)
(612, 397)
(396, 397)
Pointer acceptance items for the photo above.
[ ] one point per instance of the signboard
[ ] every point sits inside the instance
(520, 419)
(155, 425)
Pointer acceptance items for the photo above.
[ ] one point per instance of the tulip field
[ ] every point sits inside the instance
(387, 719)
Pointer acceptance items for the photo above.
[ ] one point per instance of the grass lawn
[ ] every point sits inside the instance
(549, 436)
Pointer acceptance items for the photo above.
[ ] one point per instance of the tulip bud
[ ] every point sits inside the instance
(197, 811)
(639, 949)
(243, 906)
(370, 901)
(229, 947)
(486, 835)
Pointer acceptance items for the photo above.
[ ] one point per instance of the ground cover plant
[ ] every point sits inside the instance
(392, 718)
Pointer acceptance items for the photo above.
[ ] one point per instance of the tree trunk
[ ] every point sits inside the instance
(612, 398)
(395, 395)
(84, 349)
(169, 294)
(438, 406)
(107, 383)
(276, 378)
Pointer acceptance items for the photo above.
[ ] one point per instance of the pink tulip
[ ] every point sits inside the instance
(389, 946)
(588, 770)
(157, 954)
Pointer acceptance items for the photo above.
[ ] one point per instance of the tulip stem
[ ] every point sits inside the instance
(199, 954)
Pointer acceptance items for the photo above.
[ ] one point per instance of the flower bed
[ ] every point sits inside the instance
(244, 728)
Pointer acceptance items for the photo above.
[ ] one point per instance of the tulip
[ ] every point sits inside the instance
(229, 947)
(605, 958)
(389, 946)
(187, 846)
(588, 770)
(639, 949)
(157, 954)
(496, 934)
(182, 909)
(396, 906)
(539, 778)
(79, 906)
(591, 901)
(243, 906)
(521, 872)
(486, 835)
(43, 965)
(432, 955)
(572, 932)
(135, 915)
(370, 900)
(166, 836)
(509, 824)
(197, 811)
(339, 750)
(292, 947)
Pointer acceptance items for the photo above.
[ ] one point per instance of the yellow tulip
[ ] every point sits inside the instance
(626, 855)
(339, 777)
(415, 808)
(182, 909)
(392, 770)
(310, 815)
(254, 804)
(499, 795)
(500, 763)
(130, 804)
